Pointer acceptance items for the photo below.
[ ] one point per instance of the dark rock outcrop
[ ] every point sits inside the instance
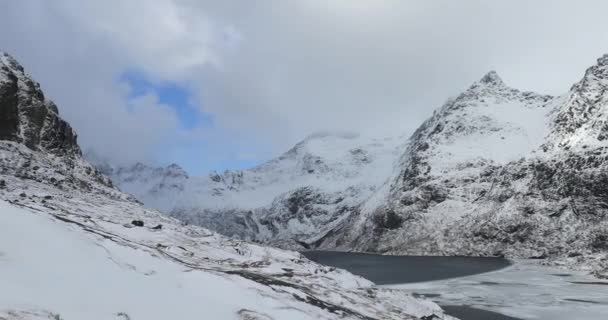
(27, 117)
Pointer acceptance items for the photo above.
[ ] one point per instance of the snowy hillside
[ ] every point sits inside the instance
(74, 247)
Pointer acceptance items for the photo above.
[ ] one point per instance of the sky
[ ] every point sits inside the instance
(214, 85)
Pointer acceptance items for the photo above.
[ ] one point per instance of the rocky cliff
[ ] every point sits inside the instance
(27, 117)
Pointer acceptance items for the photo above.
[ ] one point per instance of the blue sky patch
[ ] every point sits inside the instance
(178, 97)
(196, 156)
(199, 157)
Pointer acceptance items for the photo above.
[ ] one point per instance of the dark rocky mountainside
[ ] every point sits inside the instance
(27, 117)
(36, 144)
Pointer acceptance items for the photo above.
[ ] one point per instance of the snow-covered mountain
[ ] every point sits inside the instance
(290, 201)
(501, 172)
(494, 171)
(72, 246)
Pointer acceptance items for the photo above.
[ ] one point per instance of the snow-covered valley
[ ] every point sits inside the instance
(73, 246)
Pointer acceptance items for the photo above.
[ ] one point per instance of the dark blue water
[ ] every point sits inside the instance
(409, 269)
(406, 269)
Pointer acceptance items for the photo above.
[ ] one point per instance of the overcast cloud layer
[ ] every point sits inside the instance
(267, 73)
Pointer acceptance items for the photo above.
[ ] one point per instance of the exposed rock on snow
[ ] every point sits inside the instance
(69, 248)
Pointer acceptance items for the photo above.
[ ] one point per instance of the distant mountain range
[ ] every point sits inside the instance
(292, 200)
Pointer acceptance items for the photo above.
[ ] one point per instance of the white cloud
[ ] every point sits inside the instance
(78, 51)
(163, 38)
(273, 71)
(381, 66)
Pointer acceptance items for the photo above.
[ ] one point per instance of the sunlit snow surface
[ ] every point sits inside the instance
(525, 290)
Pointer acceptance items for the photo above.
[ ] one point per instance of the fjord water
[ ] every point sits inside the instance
(385, 270)
(406, 269)
(473, 288)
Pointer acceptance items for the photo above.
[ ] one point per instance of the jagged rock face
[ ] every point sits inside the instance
(469, 136)
(299, 218)
(27, 117)
(584, 115)
(33, 135)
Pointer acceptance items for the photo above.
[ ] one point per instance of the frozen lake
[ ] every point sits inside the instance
(483, 288)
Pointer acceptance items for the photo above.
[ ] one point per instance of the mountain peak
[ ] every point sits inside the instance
(27, 117)
(176, 170)
(603, 60)
(491, 78)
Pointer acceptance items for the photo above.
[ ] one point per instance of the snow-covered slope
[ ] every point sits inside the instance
(497, 171)
(74, 247)
(291, 201)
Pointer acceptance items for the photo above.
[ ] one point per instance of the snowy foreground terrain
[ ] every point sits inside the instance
(80, 260)
(72, 246)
